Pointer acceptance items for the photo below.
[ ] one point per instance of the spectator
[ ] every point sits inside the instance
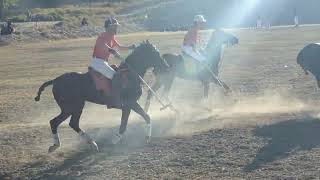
(296, 18)
(84, 22)
(9, 29)
(259, 22)
(29, 15)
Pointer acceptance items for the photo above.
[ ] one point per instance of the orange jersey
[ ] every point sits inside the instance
(101, 51)
(192, 37)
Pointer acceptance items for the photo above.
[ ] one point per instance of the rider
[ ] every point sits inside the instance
(104, 47)
(192, 39)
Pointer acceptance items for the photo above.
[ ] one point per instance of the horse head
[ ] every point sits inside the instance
(220, 37)
(214, 49)
(145, 56)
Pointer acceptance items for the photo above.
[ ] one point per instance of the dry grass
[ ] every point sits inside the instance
(223, 143)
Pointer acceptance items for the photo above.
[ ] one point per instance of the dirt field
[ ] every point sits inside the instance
(270, 132)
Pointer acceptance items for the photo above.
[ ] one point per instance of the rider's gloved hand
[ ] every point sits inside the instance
(115, 53)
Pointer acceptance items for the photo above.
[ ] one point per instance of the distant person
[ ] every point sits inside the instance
(259, 23)
(104, 47)
(8, 29)
(268, 23)
(29, 15)
(296, 18)
(192, 39)
(84, 22)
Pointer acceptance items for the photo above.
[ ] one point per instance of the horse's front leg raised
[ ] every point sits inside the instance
(123, 127)
(138, 109)
(155, 88)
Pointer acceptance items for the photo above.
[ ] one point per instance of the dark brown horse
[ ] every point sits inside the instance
(72, 90)
(309, 60)
(208, 73)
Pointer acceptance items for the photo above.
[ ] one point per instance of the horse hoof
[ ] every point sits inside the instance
(53, 148)
(148, 139)
(116, 139)
(94, 146)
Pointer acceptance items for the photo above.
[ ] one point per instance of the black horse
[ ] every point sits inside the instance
(309, 60)
(207, 73)
(72, 90)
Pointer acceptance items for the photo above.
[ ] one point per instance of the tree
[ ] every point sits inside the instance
(1, 9)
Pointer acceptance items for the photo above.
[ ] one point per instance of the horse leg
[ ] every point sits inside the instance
(155, 88)
(123, 127)
(54, 123)
(167, 86)
(138, 109)
(74, 124)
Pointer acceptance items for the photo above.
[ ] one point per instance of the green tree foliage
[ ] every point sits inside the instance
(5, 4)
(48, 3)
(1, 9)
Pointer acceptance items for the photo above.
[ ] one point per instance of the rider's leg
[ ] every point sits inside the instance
(194, 53)
(107, 71)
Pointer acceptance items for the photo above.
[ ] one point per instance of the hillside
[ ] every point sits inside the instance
(155, 15)
(234, 13)
(63, 22)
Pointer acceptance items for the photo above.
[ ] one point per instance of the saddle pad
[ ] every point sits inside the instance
(101, 83)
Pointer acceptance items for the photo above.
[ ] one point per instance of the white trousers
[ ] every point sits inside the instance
(194, 54)
(102, 67)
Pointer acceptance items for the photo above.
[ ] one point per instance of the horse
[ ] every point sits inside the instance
(72, 90)
(309, 60)
(207, 74)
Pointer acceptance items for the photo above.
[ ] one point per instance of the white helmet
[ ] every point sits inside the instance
(199, 19)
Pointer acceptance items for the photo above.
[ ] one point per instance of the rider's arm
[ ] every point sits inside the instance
(121, 47)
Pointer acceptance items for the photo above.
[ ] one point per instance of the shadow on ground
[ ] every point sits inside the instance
(285, 138)
(83, 160)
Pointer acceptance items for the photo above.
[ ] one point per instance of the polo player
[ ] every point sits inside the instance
(104, 75)
(192, 39)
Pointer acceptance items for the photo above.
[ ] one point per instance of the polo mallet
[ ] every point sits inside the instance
(164, 106)
(226, 88)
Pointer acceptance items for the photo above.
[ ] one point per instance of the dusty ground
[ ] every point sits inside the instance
(271, 132)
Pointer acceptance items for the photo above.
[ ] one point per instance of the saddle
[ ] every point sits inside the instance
(104, 85)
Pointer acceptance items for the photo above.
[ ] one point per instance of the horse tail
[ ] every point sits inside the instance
(42, 87)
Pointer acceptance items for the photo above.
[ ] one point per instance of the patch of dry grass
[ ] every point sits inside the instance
(255, 66)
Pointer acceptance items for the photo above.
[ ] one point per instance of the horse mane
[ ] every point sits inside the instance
(143, 46)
